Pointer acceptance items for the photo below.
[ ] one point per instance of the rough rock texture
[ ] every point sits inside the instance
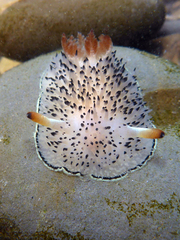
(37, 203)
(31, 27)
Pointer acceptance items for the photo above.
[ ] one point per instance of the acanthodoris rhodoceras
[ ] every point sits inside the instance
(91, 118)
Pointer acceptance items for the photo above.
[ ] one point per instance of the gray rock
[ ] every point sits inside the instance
(29, 28)
(37, 203)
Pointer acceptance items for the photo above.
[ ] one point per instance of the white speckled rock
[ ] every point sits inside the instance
(39, 203)
(29, 28)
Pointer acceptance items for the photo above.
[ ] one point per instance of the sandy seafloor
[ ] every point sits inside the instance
(37, 203)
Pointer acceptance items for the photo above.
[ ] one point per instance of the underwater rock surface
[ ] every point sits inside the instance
(37, 202)
(29, 28)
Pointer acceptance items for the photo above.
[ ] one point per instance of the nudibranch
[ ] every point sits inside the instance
(91, 118)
